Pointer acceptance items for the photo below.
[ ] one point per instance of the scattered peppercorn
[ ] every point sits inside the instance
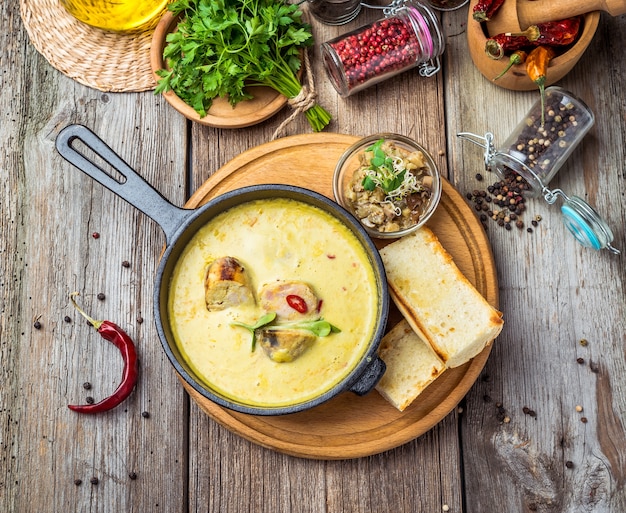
(139, 320)
(507, 198)
(569, 464)
(78, 482)
(67, 319)
(132, 476)
(583, 420)
(479, 177)
(37, 325)
(125, 263)
(580, 360)
(501, 412)
(89, 399)
(145, 414)
(87, 385)
(583, 342)
(101, 296)
(95, 235)
(529, 412)
(94, 480)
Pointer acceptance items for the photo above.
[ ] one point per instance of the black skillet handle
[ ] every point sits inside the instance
(134, 189)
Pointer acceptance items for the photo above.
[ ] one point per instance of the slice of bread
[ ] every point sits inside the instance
(411, 365)
(437, 300)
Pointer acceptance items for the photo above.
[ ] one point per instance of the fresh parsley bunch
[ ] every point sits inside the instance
(221, 47)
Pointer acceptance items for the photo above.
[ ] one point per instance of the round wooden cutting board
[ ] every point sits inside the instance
(350, 426)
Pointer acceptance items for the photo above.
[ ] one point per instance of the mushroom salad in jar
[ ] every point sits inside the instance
(392, 187)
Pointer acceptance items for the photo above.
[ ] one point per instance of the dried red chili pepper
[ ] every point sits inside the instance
(537, 70)
(553, 33)
(517, 57)
(485, 9)
(496, 46)
(297, 303)
(118, 337)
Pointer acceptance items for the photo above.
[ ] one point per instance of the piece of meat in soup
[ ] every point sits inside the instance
(226, 284)
(285, 345)
(291, 300)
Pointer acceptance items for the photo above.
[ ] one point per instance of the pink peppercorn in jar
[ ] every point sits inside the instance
(408, 36)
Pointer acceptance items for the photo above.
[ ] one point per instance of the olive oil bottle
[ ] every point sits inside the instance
(117, 15)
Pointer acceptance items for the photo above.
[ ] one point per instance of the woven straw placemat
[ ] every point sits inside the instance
(107, 61)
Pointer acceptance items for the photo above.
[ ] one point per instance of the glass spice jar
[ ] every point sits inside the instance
(536, 150)
(409, 35)
(446, 5)
(335, 12)
(545, 138)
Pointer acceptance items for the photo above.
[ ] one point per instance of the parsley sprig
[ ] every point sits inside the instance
(221, 47)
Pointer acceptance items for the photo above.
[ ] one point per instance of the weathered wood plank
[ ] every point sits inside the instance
(553, 293)
(49, 212)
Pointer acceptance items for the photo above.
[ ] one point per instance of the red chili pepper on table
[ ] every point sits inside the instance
(297, 303)
(118, 337)
(484, 10)
(553, 33)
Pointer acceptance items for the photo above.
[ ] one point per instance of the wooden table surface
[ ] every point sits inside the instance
(517, 442)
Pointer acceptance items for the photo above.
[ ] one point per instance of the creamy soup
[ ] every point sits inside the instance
(274, 239)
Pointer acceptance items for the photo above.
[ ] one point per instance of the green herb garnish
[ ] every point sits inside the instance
(263, 320)
(221, 47)
(318, 327)
(382, 171)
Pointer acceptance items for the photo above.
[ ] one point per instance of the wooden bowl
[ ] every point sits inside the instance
(516, 78)
(265, 102)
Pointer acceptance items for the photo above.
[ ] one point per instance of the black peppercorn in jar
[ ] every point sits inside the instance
(542, 144)
(536, 150)
(408, 36)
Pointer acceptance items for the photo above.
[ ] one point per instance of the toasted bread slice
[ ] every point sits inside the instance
(411, 365)
(437, 300)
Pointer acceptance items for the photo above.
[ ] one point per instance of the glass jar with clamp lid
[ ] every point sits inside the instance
(536, 150)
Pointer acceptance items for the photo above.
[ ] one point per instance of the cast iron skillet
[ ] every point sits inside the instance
(179, 226)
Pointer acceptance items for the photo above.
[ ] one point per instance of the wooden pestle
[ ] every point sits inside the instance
(517, 15)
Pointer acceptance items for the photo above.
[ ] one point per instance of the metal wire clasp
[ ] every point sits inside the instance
(485, 142)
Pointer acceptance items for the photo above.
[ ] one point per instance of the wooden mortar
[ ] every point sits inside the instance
(517, 15)
(516, 78)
